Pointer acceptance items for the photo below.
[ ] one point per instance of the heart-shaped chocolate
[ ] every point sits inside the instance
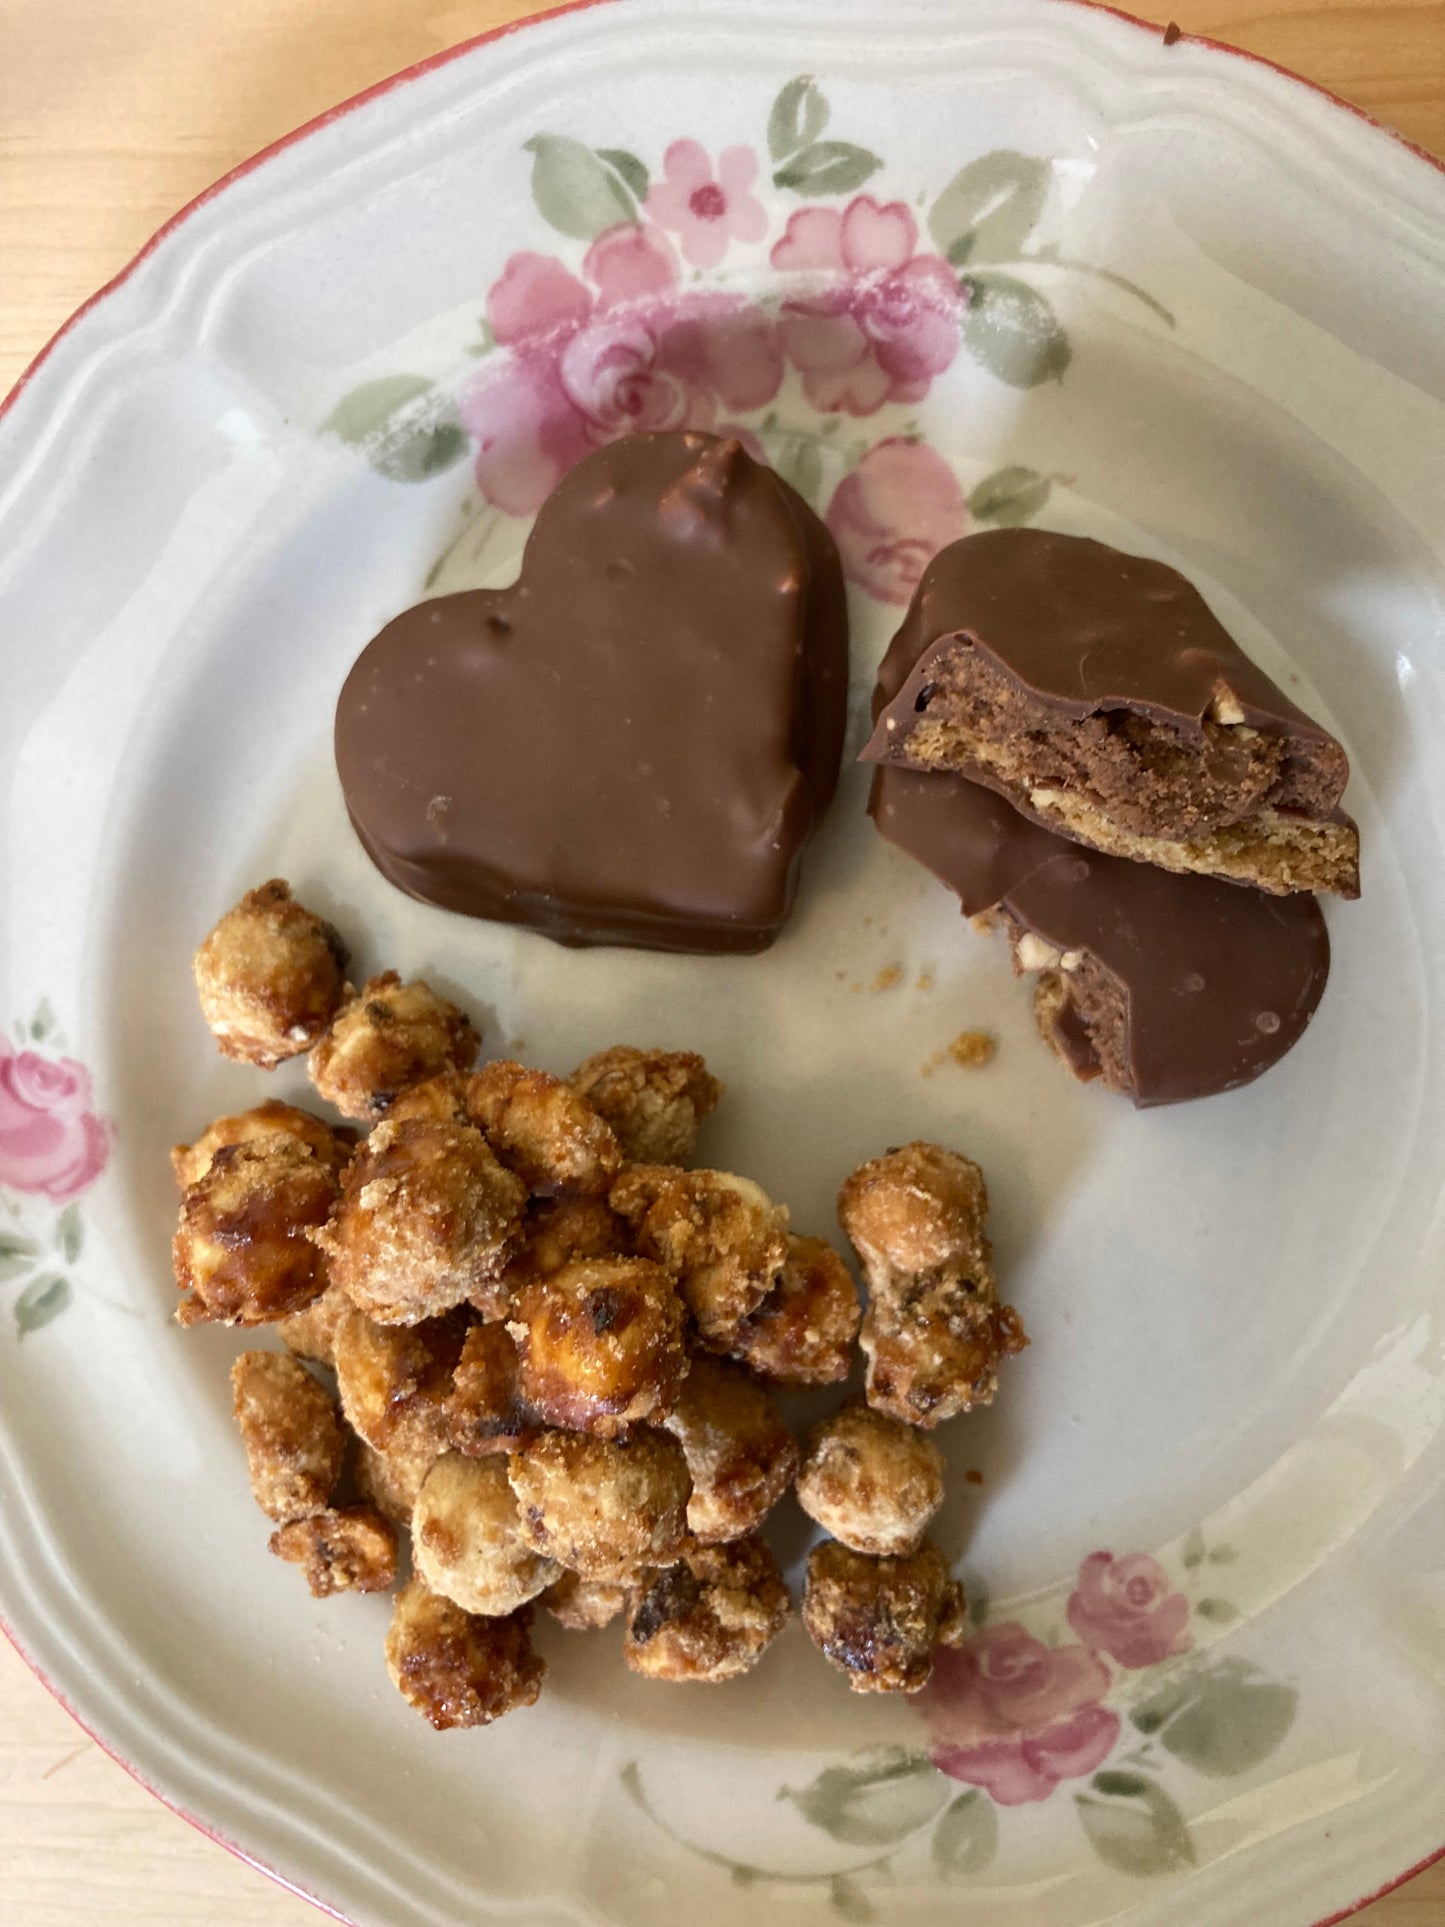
(634, 742)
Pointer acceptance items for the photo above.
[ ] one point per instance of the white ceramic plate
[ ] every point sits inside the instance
(1202, 319)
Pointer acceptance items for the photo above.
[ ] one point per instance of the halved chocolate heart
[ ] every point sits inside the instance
(634, 742)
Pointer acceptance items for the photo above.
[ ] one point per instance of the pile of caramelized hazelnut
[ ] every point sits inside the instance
(553, 1342)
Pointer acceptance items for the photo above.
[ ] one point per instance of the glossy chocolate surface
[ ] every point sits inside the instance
(634, 742)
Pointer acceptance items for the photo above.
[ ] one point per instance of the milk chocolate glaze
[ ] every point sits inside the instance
(1085, 627)
(633, 744)
(1219, 981)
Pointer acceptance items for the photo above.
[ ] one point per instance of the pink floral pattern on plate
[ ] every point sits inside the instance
(617, 351)
(877, 318)
(1016, 1717)
(51, 1140)
(871, 303)
(53, 1146)
(892, 515)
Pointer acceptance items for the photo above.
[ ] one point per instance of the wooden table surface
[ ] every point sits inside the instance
(112, 114)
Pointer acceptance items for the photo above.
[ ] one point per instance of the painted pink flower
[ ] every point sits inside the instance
(616, 353)
(877, 321)
(1128, 1609)
(704, 208)
(892, 515)
(1016, 1717)
(50, 1139)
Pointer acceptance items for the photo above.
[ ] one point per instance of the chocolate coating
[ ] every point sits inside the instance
(1206, 967)
(1023, 645)
(1218, 982)
(634, 742)
(1086, 627)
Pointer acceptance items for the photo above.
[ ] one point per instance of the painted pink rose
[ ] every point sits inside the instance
(706, 207)
(892, 515)
(878, 320)
(618, 352)
(1128, 1609)
(1016, 1717)
(50, 1139)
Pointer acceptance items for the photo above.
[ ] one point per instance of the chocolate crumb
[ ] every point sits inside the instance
(1172, 33)
(973, 1476)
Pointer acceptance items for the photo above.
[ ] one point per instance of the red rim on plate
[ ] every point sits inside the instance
(208, 194)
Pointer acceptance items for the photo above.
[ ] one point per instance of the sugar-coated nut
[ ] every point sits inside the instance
(584, 1605)
(933, 1349)
(879, 1620)
(427, 1217)
(192, 1161)
(442, 1099)
(294, 1442)
(558, 1230)
(390, 1481)
(541, 1129)
(803, 1332)
(382, 1041)
(601, 1344)
(653, 1099)
(352, 1549)
(709, 1615)
(466, 1538)
(312, 1333)
(456, 1668)
(915, 1210)
(870, 1481)
(395, 1383)
(602, 1507)
(486, 1410)
(241, 1252)
(720, 1236)
(269, 977)
(740, 1456)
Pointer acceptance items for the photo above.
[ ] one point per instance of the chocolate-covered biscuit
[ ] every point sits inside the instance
(1168, 987)
(1096, 691)
(634, 742)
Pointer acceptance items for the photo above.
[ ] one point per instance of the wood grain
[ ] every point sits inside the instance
(113, 113)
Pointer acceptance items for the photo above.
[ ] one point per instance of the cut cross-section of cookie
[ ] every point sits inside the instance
(1098, 693)
(1167, 987)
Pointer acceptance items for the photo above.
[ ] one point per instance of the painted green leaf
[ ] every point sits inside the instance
(485, 342)
(69, 1234)
(966, 1837)
(1009, 496)
(633, 173)
(405, 426)
(1012, 330)
(1192, 1550)
(13, 1244)
(43, 1022)
(989, 208)
(885, 1797)
(1222, 1556)
(575, 192)
(1150, 1714)
(827, 167)
(849, 1900)
(41, 1301)
(975, 1591)
(1134, 1825)
(631, 1780)
(799, 115)
(14, 1266)
(800, 463)
(1227, 1719)
(1221, 1611)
